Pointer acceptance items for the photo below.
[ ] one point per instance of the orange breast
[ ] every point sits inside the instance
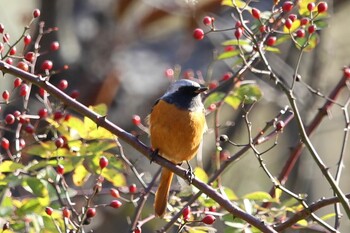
(176, 133)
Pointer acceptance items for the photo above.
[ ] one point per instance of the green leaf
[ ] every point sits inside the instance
(282, 39)
(115, 177)
(272, 49)
(201, 174)
(235, 3)
(228, 54)
(303, 223)
(258, 196)
(230, 194)
(9, 166)
(36, 186)
(328, 216)
(214, 98)
(233, 101)
(236, 42)
(80, 175)
(44, 150)
(100, 146)
(249, 93)
(77, 127)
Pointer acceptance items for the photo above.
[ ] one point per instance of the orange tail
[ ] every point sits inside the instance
(162, 193)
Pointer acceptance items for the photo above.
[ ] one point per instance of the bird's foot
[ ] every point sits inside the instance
(189, 173)
(154, 154)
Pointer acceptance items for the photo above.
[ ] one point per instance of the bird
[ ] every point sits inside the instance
(176, 125)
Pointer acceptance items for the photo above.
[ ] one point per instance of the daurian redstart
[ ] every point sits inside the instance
(177, 123)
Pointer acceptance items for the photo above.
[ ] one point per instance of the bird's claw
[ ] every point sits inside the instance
(189, 173)
(154, 154)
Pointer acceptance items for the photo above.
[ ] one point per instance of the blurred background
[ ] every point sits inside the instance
(118, 52)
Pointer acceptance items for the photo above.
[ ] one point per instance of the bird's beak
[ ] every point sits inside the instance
(201, 89)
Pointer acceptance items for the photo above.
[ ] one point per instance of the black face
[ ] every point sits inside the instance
(186, 97)
(189, 90)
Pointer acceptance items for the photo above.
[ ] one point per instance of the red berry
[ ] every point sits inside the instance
(23, 91)
(74, 94)
(304, 21)
(13, 51)
(209, 219)
(5, 143)
(132, 188)
(42, 113)
(238, 33)
(2, 28)
(42, 92)
(9, 61)
(114, 192)
(212, 209)
(29, 128)
(224, 155)
(322, 7)
(198, 34)
(91, 212)
(310, 6)
(17, 82)
(287, 6)
(346, 71)
(115, 204)
(60, 169)
(23, 66)
(103, 162)
(10, 119)
(207, 21)
(30, 56)
(280, 125)
(169, 73)
(16, 113)
(136, 120)
(255, 13)
(213, 84)
(36, 13)
(288, 23)
(47, 65)
(63, 84)
(312, 28)
(55, 46)
(27, 39)
(66, 212)
(186, 212)
(58, 115)
(227, 76)
(262, 28)
(300, 33)
(212, 107)
(49, 211)
(292, 17)
(6, 38)
(22, 143)
(6, 95)
(271, 40)
(59, 142)
(137, 230)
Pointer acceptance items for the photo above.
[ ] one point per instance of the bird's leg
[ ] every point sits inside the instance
(154, 154)
(189, 173)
